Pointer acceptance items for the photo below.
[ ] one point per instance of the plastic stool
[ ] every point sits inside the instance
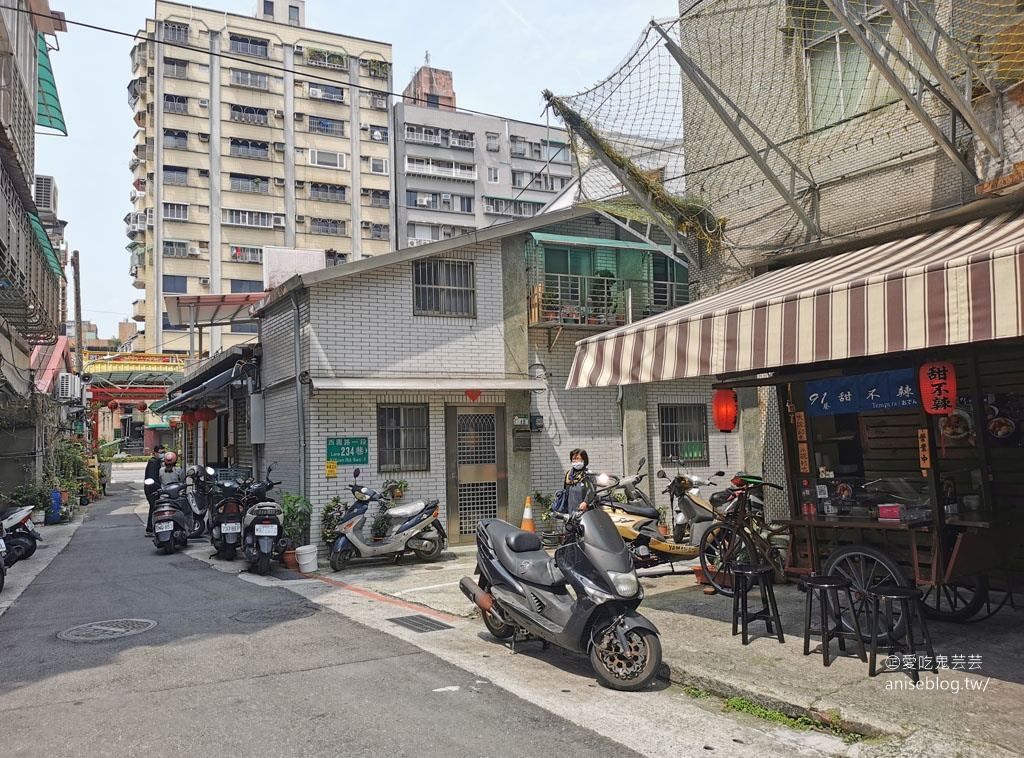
(909, 599)
(827, 588)
(744, 577)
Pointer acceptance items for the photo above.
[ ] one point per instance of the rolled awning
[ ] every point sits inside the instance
(958, 285)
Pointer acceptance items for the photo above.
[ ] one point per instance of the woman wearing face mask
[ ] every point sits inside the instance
(576, 479)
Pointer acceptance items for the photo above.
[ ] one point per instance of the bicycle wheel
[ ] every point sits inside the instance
(866, 567)
(957, 601)
(721, 548)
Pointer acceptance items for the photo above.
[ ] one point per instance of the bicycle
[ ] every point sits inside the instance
(741, 535)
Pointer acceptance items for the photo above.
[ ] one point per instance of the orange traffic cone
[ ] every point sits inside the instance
(528, 524)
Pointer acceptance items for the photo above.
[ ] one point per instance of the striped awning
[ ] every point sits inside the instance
(954, 286)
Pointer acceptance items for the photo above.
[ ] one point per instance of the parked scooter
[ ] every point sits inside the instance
(262, 525)
(22, 536)
(522, 589)
(413, 526)
(637, 521)
(197, 496)
(172, 518)
(224, 515)
(691, 514)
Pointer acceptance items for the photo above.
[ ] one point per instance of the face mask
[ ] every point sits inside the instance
(160, 456)
(577, 465)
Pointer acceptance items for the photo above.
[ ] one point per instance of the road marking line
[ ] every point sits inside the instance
(428, 587)
(384, 598)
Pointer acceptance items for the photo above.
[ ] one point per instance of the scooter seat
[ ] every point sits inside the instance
(406, 511)
(521, 553)
(637, 508)
(6, 513)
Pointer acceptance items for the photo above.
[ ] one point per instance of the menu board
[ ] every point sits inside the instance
(881, 391)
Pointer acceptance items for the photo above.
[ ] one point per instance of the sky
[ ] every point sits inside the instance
(502, 54)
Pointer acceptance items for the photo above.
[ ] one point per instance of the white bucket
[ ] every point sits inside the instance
(306, 556)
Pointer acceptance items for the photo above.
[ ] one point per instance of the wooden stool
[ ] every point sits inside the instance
(909, 599)
(744, 577)
(827, 589)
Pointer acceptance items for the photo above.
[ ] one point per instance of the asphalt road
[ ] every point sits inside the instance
(233, 668)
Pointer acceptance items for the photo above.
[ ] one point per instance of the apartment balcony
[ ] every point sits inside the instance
(452, 172)
(598, 302)
(465, 144)
(423, 139)
(139, 310)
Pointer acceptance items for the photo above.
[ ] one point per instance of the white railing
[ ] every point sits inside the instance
(467, 143)
(432, 170)
(425, 139)
(416, 241)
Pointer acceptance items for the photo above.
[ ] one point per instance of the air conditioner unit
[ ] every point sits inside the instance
(422, 201)
(316, 93)
(204, 281)
(136, 195)
(278, 221)
(279, 146)
(377, 134)
(298, 49)
(193, 252)
(204, 102)
(298, 116)
(364, 127)
(204, 172)
(446, 196)
(365, 224)
(364, 191)
(380, 102)
(69, 387)
(279, 114)
(299, 183)
(300, 219)
(279, 181)
(204, 137)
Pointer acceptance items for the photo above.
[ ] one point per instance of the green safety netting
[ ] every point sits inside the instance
(48, 112)
(44, 240)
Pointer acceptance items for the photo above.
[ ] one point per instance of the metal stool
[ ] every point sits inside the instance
(909, 599)
(827, 589)
(744, 577)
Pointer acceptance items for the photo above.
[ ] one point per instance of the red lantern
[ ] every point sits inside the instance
(938, 387)
(188, 417)
(141, 406)
(724, 409)
(173, 422)
(206, 414)
(113, 405)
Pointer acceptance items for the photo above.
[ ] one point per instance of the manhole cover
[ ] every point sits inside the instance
(98, 631)
(420, 623)
(270, 615)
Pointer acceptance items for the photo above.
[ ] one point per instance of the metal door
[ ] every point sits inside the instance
(476, 467)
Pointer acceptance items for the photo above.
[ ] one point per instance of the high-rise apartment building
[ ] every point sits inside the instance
(458, 171)
(253, 131)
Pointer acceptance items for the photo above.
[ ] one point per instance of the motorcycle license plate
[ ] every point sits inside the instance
(30, 525)
(164, 526)
(233, 529)
(266, 530)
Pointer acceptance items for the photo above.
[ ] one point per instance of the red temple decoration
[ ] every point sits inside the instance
(113, 405)
(724, 410)
(938, 387)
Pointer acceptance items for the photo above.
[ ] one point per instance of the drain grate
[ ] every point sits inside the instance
(271, 615)
(420, 623)
(100, 631)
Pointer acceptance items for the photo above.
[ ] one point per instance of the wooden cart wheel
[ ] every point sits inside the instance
(957, 601)
(865, 567)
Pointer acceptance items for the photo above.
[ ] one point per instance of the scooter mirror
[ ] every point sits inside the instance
(211, 471)
(355, 474)
(719, 473)
(641, 464)
(150, 481)
(661, 474)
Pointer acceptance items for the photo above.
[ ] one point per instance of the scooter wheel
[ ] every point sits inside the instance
(340, 559)
(629, 669)
(496, 626)
(197, 530)
(169, 547)
(226, 553)
(263, 564)
(430, 555)
(678, 533)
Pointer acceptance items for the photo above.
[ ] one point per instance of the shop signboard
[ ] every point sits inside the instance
(881, 391)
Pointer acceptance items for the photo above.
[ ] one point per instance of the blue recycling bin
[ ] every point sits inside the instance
(53, 517)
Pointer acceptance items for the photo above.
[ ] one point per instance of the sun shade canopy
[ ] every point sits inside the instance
(44, 241)
(210, 309)
(958, 285)
(48, 112)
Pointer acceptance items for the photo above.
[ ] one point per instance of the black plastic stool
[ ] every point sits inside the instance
(744, 577)
(827, 588)
(909, 599)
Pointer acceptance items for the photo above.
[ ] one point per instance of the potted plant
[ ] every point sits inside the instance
(330, 517)
(379, 528)
(543, 501)
(296, 511)
(663, 520)
(397, 487)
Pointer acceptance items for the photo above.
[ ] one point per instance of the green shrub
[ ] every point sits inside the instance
(330, 517)
(297, 511)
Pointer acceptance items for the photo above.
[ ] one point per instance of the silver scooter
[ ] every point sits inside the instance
(410, 527)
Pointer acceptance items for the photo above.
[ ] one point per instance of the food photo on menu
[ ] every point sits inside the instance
(1003, 417)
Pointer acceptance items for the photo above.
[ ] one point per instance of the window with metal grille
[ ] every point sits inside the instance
(175, 69)
(246, 254)
(175, 175)
(175, 249)
(332, 193)
(249, 79)
(329, 126)
(244, 148)
(443, 288)
(245, 114)
(403, 437)
(245, 183)
(175, 104)
(248, 46)
(175, 211)
(334, 227)
(176, 139)
(684, 432)
(175, 32)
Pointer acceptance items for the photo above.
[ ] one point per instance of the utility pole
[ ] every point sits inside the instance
(78, 311)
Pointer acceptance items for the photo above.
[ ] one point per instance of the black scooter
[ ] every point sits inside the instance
(172, 518)
(583, 599)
